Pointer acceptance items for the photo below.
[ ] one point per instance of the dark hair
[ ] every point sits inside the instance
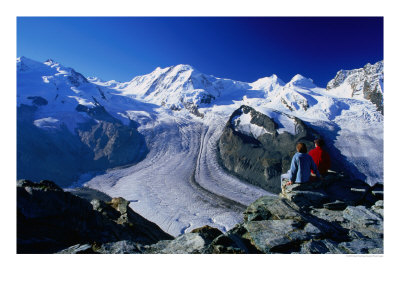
(319, 142)
(301, 147)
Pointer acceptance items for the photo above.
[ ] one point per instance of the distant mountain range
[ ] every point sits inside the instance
(92, 119)
(189, 149)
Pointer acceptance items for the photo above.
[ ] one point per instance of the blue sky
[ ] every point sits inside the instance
(231, 47)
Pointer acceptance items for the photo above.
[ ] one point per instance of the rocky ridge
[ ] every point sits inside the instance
(366, 82)
(51, 220)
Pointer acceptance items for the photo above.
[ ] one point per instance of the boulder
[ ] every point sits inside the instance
(195, 242)
(188, 243)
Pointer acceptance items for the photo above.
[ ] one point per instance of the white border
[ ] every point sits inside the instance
(196, 276)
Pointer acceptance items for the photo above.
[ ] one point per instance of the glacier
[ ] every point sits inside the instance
(181, 113)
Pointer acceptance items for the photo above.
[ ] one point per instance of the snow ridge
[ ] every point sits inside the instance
(350, 83)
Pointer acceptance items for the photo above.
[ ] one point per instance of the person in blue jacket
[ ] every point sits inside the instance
(301, 166)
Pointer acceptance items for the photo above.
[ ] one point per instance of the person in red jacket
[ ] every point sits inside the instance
(320, 157)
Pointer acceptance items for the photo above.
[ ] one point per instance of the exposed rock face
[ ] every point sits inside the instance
(195, 242)
(366, 82)
(263, 153)
(50, 220)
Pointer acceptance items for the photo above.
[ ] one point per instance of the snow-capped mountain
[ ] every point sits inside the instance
(178, 86)
(63, 128)
(366, 82)
(176, 116)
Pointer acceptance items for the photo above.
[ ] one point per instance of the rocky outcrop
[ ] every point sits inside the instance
(334, 216)
(261, 156)
(366, 82)
(50, 220)
(195, 242)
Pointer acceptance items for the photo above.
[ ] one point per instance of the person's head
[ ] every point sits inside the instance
(301, 147)
(319, 142)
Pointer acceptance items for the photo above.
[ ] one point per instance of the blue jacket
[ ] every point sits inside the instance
(301, 167)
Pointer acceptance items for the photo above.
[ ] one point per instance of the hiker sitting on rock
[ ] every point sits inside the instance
(320, 157)
(301, 166)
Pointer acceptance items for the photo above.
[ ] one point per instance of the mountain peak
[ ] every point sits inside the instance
(50, 62)
(182, 67)
(301, 81)
(365, 82)
(267, 83)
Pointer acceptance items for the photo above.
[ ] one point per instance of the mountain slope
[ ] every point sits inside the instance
(63, 130)
(178, 86)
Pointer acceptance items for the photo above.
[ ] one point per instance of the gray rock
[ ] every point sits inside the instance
(328, 215)
(271, 208)
(364, 221)
(320, 247)
(188, 243)
(120, 247)
(279, 236)
(360, 214)
(260, 160)
(265, 235)
(232, 243)
(365, 246)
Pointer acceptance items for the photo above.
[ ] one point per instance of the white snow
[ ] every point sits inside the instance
(242, 123)
(286, 123)
(301, 81)
(47, 123)
(180, 185)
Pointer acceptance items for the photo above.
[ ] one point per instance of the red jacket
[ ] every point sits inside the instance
(321, 159)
